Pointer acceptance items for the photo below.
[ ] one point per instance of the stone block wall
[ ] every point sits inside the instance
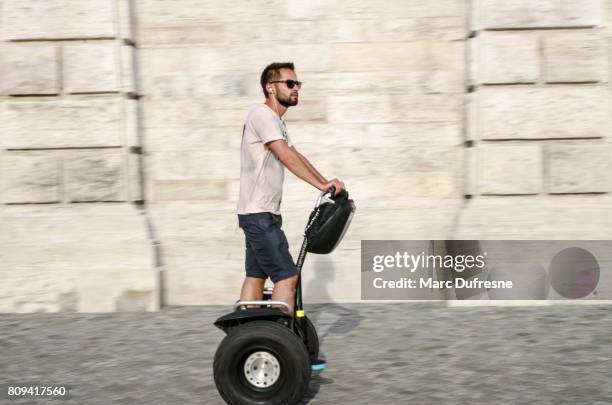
(72, 238)
(539, 148)
(381, 108)
(453, 119)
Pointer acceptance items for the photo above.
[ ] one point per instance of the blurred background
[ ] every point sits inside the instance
(121, 125)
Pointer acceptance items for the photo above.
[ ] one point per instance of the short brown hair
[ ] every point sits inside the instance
(272, 72)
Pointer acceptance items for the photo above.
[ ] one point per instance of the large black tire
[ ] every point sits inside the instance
(270, 339)
(313, 339)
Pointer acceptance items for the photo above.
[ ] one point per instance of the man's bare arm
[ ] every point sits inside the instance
(309, 165)
(337, 184)
(292, 161)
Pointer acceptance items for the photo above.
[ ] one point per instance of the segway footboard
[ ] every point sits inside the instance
(241, 316)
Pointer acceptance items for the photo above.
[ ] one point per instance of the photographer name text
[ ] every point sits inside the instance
(423, 282)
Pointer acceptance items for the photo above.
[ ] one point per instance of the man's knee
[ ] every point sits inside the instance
(255, 281)
(289, 282)
(252, 289)
(293, 280)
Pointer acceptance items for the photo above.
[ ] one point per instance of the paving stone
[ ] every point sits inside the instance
(406, 352)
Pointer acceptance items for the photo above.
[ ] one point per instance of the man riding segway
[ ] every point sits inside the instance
(271, 347)
(265, 150)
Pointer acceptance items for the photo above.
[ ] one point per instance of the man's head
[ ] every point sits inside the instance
(279, 80)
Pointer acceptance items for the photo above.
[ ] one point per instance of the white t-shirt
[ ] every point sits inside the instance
(261, 173)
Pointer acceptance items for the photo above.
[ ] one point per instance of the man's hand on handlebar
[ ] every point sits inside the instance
(337, 184)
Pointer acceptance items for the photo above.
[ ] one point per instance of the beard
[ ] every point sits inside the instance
(287, 102)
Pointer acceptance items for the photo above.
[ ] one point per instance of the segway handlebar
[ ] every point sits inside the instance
(322, 197)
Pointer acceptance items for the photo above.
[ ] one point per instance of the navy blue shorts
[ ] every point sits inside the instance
(267, 249)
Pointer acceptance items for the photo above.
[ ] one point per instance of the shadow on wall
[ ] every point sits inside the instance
(329, 318)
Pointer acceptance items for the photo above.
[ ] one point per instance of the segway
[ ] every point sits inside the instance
(267, 355)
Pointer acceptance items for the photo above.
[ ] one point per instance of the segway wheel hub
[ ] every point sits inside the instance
(261, 369)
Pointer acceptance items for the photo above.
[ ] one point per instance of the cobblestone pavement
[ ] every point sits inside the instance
(377, 354)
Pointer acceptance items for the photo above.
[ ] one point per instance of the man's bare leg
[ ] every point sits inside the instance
(284, 290)
(252, 290)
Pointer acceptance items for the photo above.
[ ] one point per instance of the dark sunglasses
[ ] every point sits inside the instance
(290, 83)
